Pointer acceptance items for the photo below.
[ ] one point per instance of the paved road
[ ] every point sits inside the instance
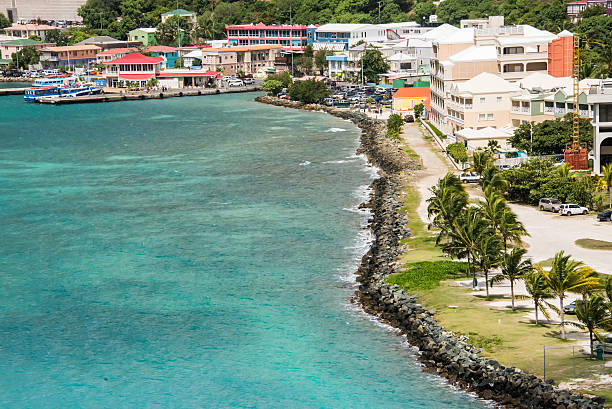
(549, 232)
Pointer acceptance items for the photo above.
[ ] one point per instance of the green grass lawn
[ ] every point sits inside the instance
(594, 244)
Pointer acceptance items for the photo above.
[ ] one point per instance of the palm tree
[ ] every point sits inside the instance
(513, 268)
(606, 178)
(564, 170)
(593, 314)
(538, 290)
(448, 200)
(567, 276)
(491, 177)
(493, 146)
(493, 207)
(510, 228)
(465, 236)
(488, 253)
(480, 161)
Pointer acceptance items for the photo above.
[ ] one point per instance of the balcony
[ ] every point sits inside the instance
(586, 114)
(559, 111)
(549, 110)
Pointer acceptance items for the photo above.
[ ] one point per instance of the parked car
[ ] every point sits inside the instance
(235, 83)
(503, 167)
(605, 216)
(572, 209)
(249, 81)
(570, 308)
(408, 118)
(550, 205)
(469, 177)
(606, 345)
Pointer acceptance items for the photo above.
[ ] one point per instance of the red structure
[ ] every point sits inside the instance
(292, 38)
(578, 159)
(560, 54)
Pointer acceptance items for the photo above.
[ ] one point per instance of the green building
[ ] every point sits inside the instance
(145, 35)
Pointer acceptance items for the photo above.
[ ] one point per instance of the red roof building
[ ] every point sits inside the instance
(133, 67)
(405, 99)
(113, 54)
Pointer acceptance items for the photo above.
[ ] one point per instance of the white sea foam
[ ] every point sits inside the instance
(338, 161)
(305, 163)
(334, 130)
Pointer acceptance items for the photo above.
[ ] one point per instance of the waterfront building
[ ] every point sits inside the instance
(340, 37)
(170, 54)
(56, 10)
(183, 78)
(144, 35)
(405, 99)
(189, 15)
(69, 56)
(8, 48)
(481, 102)
(248, 59)
(292, 38)
(601, 99)
(27, 30)
(132, 68)
(189, 58)
(512, 52)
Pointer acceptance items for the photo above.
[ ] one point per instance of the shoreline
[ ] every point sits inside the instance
(439, 351)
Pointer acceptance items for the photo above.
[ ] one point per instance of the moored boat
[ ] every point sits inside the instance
(47, 86)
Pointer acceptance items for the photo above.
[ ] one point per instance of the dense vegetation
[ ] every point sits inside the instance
(426, 275)
(551, 137)
(394, 126)
(458, 152)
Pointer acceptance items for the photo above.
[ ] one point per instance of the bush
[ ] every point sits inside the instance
(395, 122)
(436, 130)
(272, 87)
(426, 275)
(309, 91)
(458, 152)
(418, 110)
(393, 134)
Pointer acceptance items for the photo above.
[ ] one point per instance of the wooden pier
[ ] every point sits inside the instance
(137, 96)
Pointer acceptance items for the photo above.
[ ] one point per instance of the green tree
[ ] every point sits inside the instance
(320, 60)
(168, 32)
(25, 57)
(488, 253)
(418, 110)
(606, 180)
(493, 146)
(35, 37)
(493, 178)
(446, 204)
(457, 151)
(272, 87)
(567, 276)
(422, 11)
(395, 122)
(4, 22)
(308, 91)
(57, 37)
(592, 11)
(510, 228)
(538, 289)
(513, 267)
(593, 314)
(480, 161)
(552, 136)
(373, 63)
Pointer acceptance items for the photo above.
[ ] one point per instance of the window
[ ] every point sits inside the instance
(490, 117)
(499, 100)
(482, 100)
(482, 117)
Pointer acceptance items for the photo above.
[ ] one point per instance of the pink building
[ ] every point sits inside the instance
(292, 38)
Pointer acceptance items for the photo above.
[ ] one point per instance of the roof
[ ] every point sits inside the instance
(485, 83)
(401, 57)
(476, 53)
(20, 27)
(545, 82)
(178, 12)
(341, 27)
(186, 73)
(135, 77)
(264, 26)
(73, 48)
(194, 54)
(98, 40)
(578, 2)
(160, 49)
(146, 29)
(565, 33)
(22, 41)
(485, 133)
(114, 51)
(136, 58)
(412, 92)
(243, 48)
(445, 30)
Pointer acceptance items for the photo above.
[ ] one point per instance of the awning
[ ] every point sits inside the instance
(135, 77)
(187, 74)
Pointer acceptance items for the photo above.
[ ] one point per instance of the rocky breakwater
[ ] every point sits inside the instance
(439, 351)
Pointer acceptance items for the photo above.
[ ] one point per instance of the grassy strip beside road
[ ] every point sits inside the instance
(594, 244)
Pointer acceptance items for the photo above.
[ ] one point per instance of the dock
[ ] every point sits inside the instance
(11, 91)
(138, 96)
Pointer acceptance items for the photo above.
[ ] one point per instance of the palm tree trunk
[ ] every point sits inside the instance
(562, 313)
(536, 312)
(470, 269)
(512, 292)
(487, 281)
(591, 339)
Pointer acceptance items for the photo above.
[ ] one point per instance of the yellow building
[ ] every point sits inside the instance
(405, 99)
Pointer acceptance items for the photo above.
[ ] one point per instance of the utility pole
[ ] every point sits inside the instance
(178, 28)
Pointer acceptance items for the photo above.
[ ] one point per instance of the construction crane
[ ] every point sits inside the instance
(576, 157)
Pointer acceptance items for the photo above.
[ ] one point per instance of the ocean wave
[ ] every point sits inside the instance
(305, 163)
(339, 161)
(334, 130)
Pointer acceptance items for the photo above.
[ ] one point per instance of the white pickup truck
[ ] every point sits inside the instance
(469, 177)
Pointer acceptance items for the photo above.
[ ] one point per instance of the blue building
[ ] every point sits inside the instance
(171, 54)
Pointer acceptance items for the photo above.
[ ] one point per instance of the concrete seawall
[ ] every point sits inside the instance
(440, 351)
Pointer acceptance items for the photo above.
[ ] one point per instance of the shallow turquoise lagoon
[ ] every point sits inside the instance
(189, 253)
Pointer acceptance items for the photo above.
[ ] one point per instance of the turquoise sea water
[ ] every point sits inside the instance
(15, 85)
(189, 253)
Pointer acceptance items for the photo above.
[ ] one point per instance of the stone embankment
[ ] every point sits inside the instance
(440, 351)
